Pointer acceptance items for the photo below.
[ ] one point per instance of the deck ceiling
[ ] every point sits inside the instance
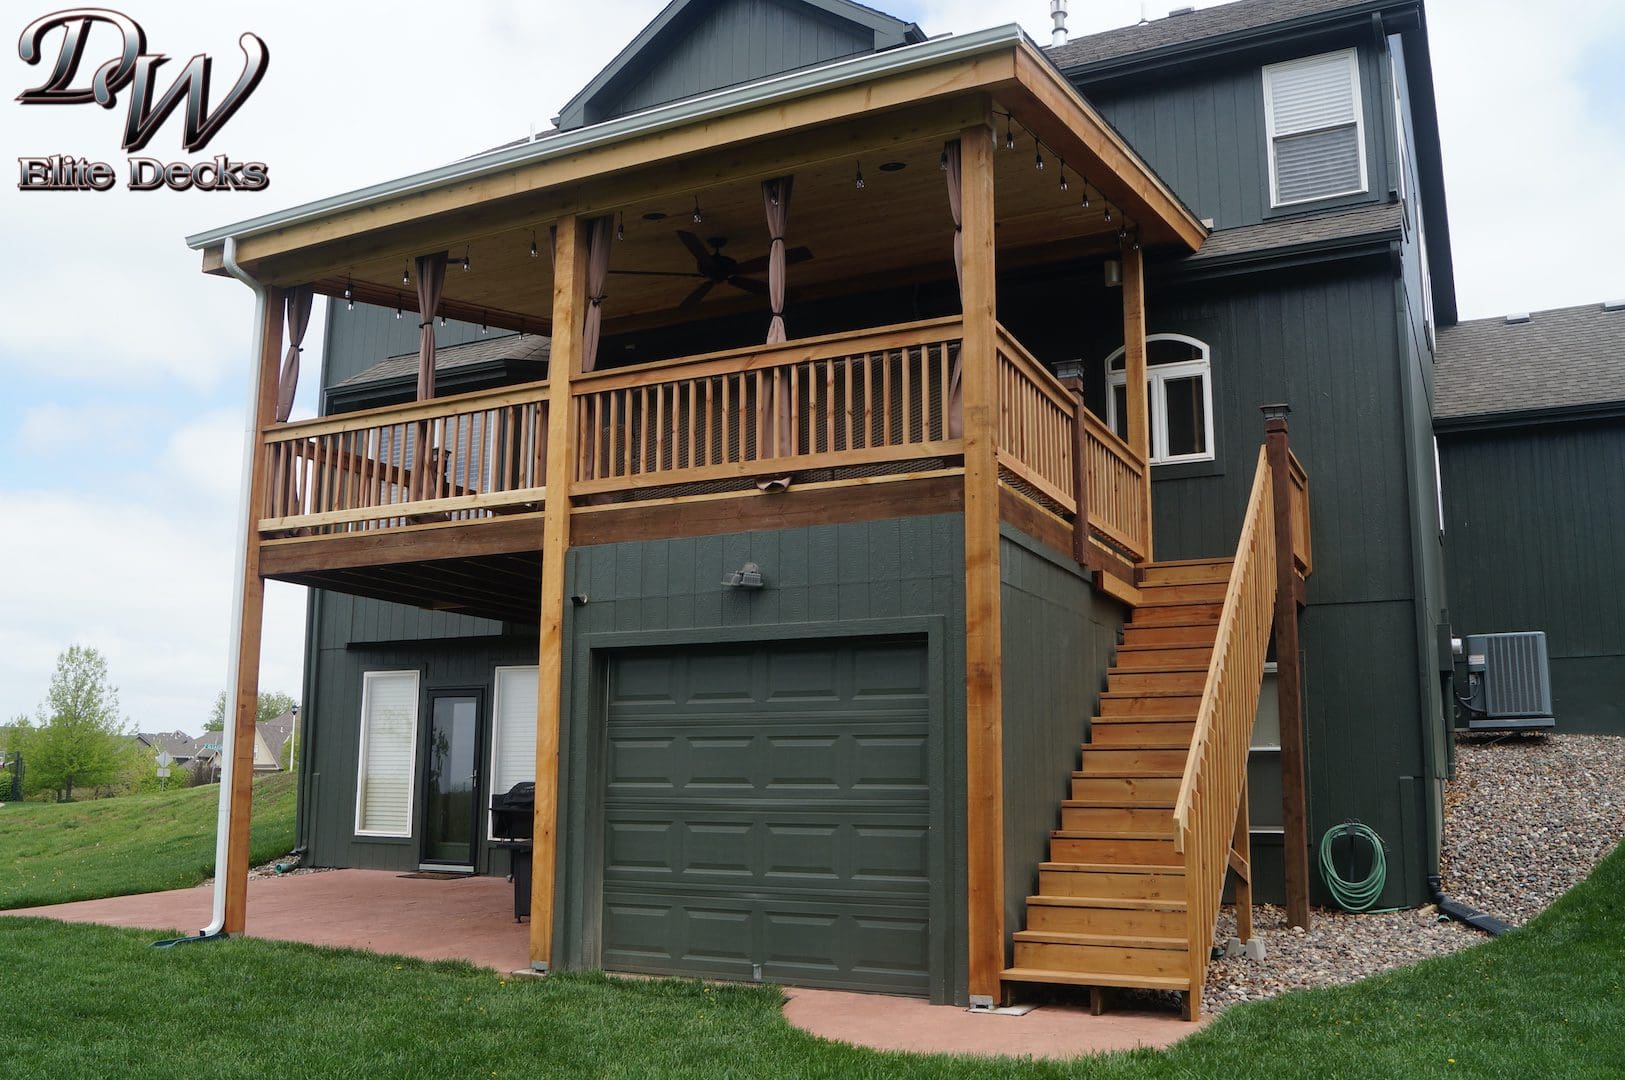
(896, 228)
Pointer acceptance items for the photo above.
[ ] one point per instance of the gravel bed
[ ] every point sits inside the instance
(1526, 818)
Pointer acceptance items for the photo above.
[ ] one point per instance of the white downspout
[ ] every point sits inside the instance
(234, 632)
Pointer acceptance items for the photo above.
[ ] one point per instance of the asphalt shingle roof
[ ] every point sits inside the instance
(529, 347)
(1558, 359)
(1180, 29)
(1345, 224)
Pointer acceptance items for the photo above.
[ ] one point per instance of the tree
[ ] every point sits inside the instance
(79, 740)
(272, 704)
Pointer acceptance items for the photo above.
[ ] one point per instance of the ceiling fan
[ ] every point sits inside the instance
(715, 268)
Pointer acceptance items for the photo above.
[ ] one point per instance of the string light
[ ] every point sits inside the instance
(620, 226)
(1085, 181)
(465, 258)
(406, 273)
(397, 309)
(1009, 133)
(699, 218)
(1038, 154)
(442, 320)
(1064, 185)
(349, 295)
(942, 162)
(858, 182)
(482, 323)
(533, 243)
(1108, 213)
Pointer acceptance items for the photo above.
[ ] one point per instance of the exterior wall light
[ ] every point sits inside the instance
(748, 576)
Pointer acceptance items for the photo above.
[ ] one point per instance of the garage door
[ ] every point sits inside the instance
(766, 814)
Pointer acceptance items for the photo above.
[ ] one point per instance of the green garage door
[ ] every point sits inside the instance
(766, 814)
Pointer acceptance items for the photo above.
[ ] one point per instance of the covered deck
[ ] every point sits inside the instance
(772, 305)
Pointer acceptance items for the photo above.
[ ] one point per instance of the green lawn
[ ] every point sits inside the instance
(80, 1001)
(54, 852)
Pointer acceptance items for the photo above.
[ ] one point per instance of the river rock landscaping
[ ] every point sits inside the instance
(1526, 818)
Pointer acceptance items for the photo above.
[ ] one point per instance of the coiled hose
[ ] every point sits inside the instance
(1354, 895)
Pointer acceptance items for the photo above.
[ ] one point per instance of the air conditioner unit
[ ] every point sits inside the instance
(1509, 682)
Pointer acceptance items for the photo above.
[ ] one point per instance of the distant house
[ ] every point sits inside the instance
(271, 741)
(1530, 421)
(180, 746)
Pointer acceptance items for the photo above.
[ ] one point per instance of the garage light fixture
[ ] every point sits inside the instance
(748, 576)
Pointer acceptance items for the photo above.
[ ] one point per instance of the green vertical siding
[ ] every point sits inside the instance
(897, 578)
(1535, 540)
(1059, 636)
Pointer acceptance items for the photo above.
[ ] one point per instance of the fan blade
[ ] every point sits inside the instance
(658, 273)
(696, 296)
(701, 253)
(748, 285)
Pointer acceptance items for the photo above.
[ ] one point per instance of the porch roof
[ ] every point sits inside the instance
(911, 96)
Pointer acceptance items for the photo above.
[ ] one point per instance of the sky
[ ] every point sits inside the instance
(124, 371)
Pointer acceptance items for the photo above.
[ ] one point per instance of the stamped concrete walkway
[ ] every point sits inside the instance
(472, 919)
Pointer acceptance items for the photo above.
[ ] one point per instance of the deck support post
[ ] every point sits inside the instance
(1241, 852)
(243, 698)
(569, 313)
(1080, 475)
(984, 703)
(1288, 672)
(1134, 385)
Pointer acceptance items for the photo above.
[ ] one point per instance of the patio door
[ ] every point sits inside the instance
(451, 780)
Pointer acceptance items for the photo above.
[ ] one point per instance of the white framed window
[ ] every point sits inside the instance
(1179, 393)
(387, 764)
(513, 730)
(1315, 128)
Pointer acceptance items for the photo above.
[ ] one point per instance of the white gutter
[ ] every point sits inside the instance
(719, 103)
(234, 633)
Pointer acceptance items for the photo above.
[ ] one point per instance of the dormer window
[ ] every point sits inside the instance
(1316, 128)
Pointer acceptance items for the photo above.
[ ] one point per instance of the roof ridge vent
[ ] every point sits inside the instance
(1517, 317)
(1189, 9)
(1613, 305)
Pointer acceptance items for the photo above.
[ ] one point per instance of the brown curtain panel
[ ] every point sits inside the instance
(431, 281)
(776, 201)
(298, 315)
(956, 401)
(600, 234)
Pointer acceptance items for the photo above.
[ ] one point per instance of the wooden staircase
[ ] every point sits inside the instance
(1111, 903)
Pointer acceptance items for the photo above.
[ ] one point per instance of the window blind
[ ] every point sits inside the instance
(513, 730)
(389, 726)
(1313, 110)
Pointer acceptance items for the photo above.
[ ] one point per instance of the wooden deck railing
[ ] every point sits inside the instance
(1036, 415)
(1302, 551)
(1115, 479)
(841, 401)
(1211, 792)
(453, 458)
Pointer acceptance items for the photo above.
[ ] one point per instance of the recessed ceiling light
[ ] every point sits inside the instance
(894, 166)
(654, 215)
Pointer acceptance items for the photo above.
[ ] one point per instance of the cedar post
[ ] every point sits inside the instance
(1139, 414)
(1241, 861)
(984, 703)
(569, 313)
(244, 700)
(1289, 672)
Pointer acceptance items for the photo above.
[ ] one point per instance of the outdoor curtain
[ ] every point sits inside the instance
(431, 280)
(951, 170)
(599, 235)
(776, 200)
(298, 314)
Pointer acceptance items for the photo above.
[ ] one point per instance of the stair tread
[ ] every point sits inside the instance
(1116, 804)
(1217, 560)
(1125, 941)
(1128, 746)
(1111, 903)
(1087, 978)
(1166, 647)
(1104, 833)
(1142, 773)
(1125, 695)
(1143, 719)
(1112, 868)
(1159, 669)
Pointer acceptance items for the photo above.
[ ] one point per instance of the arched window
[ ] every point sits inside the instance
(1179, 378)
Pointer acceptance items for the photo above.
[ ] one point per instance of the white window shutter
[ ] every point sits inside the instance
(388, 758)
(513, 731)
(1315, 127)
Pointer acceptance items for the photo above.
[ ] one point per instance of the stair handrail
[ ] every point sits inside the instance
(1211, 789)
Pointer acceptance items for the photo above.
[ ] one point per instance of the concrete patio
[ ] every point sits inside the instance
(472, 919)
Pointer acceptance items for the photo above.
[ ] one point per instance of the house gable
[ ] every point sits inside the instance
(696, 46)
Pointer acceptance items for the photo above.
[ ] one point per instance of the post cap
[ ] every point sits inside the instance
(1279, 411)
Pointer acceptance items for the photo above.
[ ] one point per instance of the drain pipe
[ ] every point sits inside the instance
(1462, 913)
(222, 827)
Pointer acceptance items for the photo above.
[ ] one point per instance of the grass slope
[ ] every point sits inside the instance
(1546, 1000)
(51, 853)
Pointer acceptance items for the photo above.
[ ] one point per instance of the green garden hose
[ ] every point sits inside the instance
(1354, 895)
